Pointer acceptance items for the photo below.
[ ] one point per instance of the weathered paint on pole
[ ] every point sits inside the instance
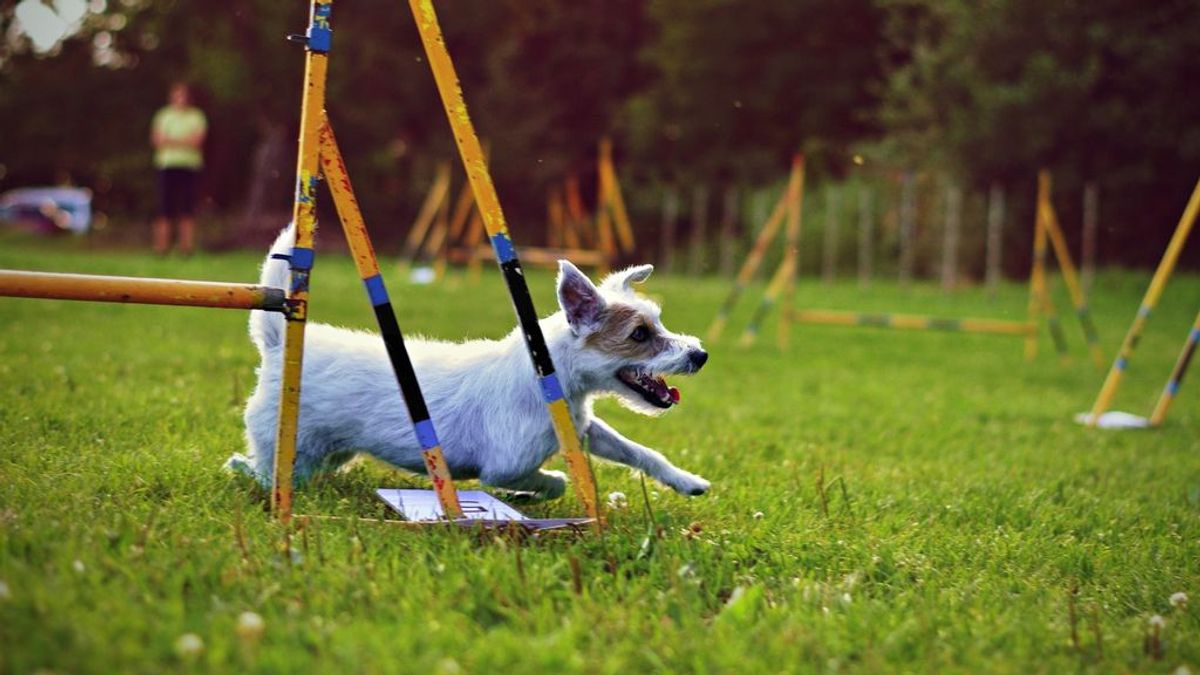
(1165, 267)
(493, 219)
(139, 290)
(336, 177)
(304, 219)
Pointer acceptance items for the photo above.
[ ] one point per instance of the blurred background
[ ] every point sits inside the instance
(705, 102)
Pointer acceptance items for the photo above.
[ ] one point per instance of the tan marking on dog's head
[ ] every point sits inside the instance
(617, 325)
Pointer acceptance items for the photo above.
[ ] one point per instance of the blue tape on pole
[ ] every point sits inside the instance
(1194, 336)
(1173, 387)
(426, 435)
(551, 388)
(375, 290)
(320, 36)
(1143, 311)
(302, 258)
(1121, 363)
(504, 248)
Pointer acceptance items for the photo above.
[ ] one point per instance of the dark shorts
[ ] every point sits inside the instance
(177, 192)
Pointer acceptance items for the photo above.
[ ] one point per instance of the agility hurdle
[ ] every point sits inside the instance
(913, 322)
(1157, 284)
(1048, 230)
(140, 290)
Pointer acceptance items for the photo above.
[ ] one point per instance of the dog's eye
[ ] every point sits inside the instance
(640, 334)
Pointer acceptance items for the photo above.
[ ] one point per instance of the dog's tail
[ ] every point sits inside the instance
(266, 328)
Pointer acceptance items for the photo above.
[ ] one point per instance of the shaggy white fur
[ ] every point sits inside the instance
(483, 395)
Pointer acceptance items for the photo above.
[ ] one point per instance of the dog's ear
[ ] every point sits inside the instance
(623, 281)
(579, 298)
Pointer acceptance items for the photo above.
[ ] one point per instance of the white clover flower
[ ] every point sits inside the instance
(78, 566)
(250, 626)
(1157, 621)
(758, 515)
(4, 592)
(1179, 599)
(189, 646)
(617, 500)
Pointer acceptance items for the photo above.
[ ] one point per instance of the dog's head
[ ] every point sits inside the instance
(623, 347)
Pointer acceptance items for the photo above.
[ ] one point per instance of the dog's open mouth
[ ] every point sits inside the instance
(652, 387)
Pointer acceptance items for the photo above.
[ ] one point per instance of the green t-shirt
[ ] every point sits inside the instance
(177, 124)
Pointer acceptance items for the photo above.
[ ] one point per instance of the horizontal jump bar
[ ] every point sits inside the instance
(913, 322)
(97, 288)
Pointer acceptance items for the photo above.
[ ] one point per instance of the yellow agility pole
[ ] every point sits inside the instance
(334, 169)
(428, 213)
(1165, 267)
(1040, 301)
(1176, 379)
(610, 191)
(749, 266)
(792, 242)
(139, 290)
(913, 322)
(506, 255)
(316, 61)
(1063, 253)
(774, 288)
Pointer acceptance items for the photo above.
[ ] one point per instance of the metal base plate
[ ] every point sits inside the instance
(1114, 420)
(480, 509)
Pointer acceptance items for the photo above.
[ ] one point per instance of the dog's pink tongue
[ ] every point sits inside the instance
(674, 392)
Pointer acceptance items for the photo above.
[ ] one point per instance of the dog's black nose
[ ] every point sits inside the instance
(698, 357)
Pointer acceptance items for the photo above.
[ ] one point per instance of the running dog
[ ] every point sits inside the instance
(483, 396)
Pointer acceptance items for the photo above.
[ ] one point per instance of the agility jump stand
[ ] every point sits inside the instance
(1048, 231)
(318, 153)
(1099, 415)
(789, 207)
(787, 272)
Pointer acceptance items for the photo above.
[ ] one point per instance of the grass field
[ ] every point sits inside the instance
(966, 524)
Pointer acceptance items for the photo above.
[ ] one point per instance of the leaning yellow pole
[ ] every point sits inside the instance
(493, 219)
(792, 252)
(776, 286)
(139, 290)
(338, 179)
(612, 199)
(304, 218)
(1040, 300)
(750, 265)
(1176, 380)
(1063, 253)
(1165, 267)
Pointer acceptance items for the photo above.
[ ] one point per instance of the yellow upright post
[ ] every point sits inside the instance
(613, 200)
(1173, 383)
(1063, 253)
(792, 242)
(506, 254)
(304, 218)
(749, 266)
(1157, 284)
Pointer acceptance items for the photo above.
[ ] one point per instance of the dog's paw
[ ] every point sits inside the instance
(239, 465)
(690, 484)
(553, 485)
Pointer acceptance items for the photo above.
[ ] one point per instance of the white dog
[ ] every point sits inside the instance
(483, 395)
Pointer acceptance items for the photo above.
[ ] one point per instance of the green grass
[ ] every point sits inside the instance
(962, 506)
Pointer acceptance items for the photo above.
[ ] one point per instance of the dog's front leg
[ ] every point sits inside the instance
(607, 443)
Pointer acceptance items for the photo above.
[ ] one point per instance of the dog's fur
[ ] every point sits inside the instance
(483, 396)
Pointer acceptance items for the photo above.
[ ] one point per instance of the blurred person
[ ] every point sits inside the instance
(177, 135)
